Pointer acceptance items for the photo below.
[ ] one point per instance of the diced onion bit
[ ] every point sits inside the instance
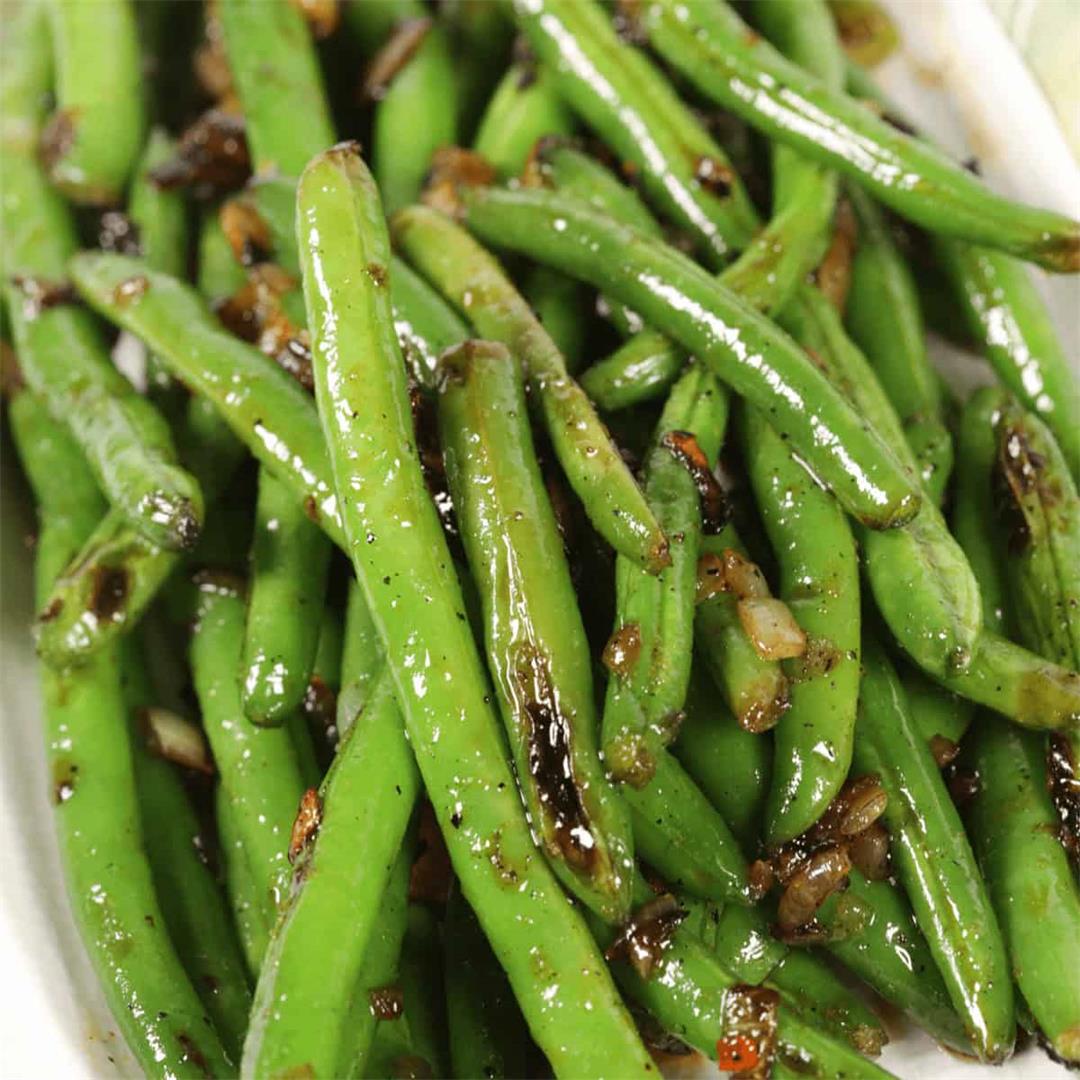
(944, 750)
(771, 628)
(646, 934)
(744, 578)
(175, 739)
(822, 874)
(870, 852)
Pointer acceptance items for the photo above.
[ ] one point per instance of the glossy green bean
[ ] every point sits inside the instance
(819, 581)
(265, 407)
(93, 791)
(620, 94)
(488, 1037)
(884, 319)
(756, 690)
(870, 929)
(934, 711)
(361, 660)
(647, 688)
(117, 574)
(192, 901)
(92, 141)
(934, 861)
(379, 969)
(730, 765)
(535, 642)
(1009, 320)
(708, 43)
(245, 897)
(1040, 511)
(289, 560)
(64, 360)
(560, 306)
(746, 351)
(257, 767)
(276, 76)
(920, 579)
(1029, 878)
(641, 369)
(689, 992)
(405, 570)
(475, 284)
(525, 106)
(317, 950)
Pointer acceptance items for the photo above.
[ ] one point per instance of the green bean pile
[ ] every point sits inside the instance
(537, 609)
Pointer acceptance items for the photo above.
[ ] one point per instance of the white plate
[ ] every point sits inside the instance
(961, 78)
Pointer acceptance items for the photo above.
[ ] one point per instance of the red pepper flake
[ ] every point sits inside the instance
(736, 1053)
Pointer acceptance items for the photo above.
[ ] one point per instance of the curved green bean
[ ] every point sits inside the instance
(488, 1037)
(96, 812)
(257, 767)
(1029, 878)
(289, 561)
(729, 764)
(619, 93)
(819, 581)
(678, 297)
(317, 950)
(708, 43)
(361, 660)
(245, 897)
(524, 107)
(934, 861)
(402, 563)
(475, 284)
(870, 929)
(92, 141)
(535, 642)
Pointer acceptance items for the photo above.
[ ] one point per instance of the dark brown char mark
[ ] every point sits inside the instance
(1063, 782)
(109, 593)
(646, 934)
(212, 156)
(714, 508)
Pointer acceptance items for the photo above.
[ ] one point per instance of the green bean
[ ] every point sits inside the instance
(96, 812)
(481, 36)
(265, 407)
(730, 765)
(920, 579)
(1029, 879)
(92, 141)
(198, 919)
(1041, 511)
(691, 994)
(361, 660)
(871, 930)
(618, 92)
(641, 369)
(289, 561)
(819, 580)
(475, 284)
(379, 969)
(125, 439)
(934, 861)
(488, 1037)
(1011, 324)
(534, 639)
(244, 895)
(324, 689)
(679, 298)
(885, 321)
(257, 766)
(559, 306)
(317, 950)
(414, 1043)
(974, 506)
(934, 711)
(371, 24)
(654, 613)
(421, 96)
(118, 572)
(395, 537)
(709, 44)
(524, 107)
(276, 76)
(425, 325)
(756, 690)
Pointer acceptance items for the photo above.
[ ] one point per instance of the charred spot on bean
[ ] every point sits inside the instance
(398, 49)
(51, 611)
(193, 1053)
(628, 23)
(387, 1002)
(117, 232)
(622, 650)
(1019, 477)
(644, 937)
(715, 511)
(109, 592)
(963, 784)
(40, 294)
(820, 658)
(320, 702)
(757, 716)
(944, 750)
(306, 826)
(212, 157)
(431, 874)
(58, 137)
(377, 273)
(714, 176)
(1063, 783)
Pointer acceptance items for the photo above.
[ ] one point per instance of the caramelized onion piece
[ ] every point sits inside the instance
(771, 628)
(646, 934)
(869, 852)
(175, 739)
(823, 873)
